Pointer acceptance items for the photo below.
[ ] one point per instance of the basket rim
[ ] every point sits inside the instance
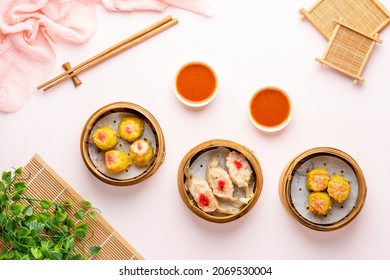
(123, 106)
(286, 177)
(208, 145)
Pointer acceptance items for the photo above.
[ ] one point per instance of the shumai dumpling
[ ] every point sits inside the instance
(339, 188)
(117, 161)
(319, 203)
(141, 151)
(317, 179)
(131, 128)
(105, 137)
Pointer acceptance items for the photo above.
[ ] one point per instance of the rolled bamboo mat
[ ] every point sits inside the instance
(44, 183)
(367, 16)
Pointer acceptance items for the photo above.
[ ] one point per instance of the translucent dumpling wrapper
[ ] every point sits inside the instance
(240, 172)
(220, 182)
(204, 197)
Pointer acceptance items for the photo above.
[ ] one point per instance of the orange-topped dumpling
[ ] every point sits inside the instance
(319, 203)
(105, 137)
(339, 188)
(141, 152)
(116, 161)
(317, 179)
(131, 128)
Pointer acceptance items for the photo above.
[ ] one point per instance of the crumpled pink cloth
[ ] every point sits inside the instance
(29, 30)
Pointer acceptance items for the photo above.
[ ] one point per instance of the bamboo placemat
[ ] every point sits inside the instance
(44, 183)
(367, 16)
(348, 51)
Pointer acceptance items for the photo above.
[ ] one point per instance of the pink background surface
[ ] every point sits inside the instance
(250, 45)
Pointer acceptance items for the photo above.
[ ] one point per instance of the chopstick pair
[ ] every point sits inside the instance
(144, 34)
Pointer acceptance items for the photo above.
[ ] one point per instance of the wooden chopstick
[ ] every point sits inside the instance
(129, 42)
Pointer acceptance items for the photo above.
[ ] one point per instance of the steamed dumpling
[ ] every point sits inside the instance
(338, 188)
(317, 179)
(131, 128)
(240, 172)
(105, 137)
(319, 203)
(202, 194)
(141, 151)
(116, 161)
(220, 181)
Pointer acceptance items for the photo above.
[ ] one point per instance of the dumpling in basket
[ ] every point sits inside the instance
(105, 137)
(319, 203)
(204, 197)
(131, 128)
(240, 172)
(141, 151)
(220, 181)
(317, 179)
(202, 194)
(116, 161)
(339, 188)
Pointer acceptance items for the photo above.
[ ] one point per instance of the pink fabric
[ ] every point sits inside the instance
(29, 30)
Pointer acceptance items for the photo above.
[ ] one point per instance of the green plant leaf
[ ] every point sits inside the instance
(67, 203)
(45, 204)
(15, 197)
(60, 215)
(81, 230)
(20, 187)
(2, 186)
(80, 215)
(7, 176)
(36, 227)
(92, 215)
(23, 232)
(19, 170)
(46, 244)
(94, 250)
(36, 252)
(55, 255)
(86, 204)
(28, 211)
(16, 208)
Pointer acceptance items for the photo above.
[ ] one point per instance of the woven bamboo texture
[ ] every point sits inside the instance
(348, 51)
(367, 16)
(44, 183)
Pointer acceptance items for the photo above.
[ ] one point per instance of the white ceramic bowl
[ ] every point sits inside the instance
(200, 102)
(273, 108)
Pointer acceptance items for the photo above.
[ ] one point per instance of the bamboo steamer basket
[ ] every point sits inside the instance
(131, 109)
(287, 195)
(198, 150)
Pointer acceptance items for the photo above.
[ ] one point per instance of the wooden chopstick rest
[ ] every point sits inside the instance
(76, 81)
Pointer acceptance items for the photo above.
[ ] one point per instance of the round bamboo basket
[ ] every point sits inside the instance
(287, 177)
(194, 153)
(133, 109)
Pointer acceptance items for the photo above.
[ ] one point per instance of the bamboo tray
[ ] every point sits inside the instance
(293, 193)
(44, 183)
(367, 16)
(209, 146)
(112, 113)
(348, 51)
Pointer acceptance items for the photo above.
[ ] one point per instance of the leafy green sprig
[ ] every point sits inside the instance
(38, 229)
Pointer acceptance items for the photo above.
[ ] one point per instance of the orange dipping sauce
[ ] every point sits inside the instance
(196, 82)
(270, 108)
